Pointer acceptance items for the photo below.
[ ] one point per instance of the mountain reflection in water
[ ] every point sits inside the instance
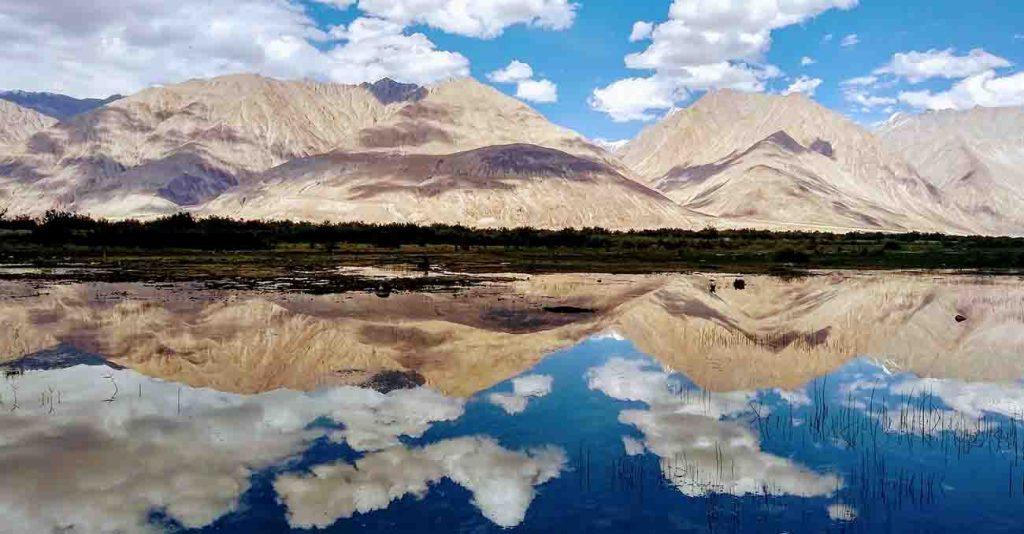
(836, 402)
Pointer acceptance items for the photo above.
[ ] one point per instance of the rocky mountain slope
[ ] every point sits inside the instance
(464, 114)
(495, 186)
(179, 147)
(171, 147)
(780, 184)
(781, 162)
(975, 157)
(18, 123)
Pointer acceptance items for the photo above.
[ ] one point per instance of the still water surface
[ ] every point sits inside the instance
(581, 403)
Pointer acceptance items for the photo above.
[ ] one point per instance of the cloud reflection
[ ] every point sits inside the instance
(97, 449)
(701, 451)
(524, 388)
(502, 481)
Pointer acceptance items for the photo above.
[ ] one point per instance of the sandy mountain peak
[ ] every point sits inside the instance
(723, 130)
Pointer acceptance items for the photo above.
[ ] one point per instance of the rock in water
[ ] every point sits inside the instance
(388, 381)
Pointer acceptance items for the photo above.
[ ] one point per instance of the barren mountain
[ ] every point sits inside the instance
(778, 183)
(175, 146)
(779, 162)
(463, 152)
(178, 147)
(974, 157)
(18, 123)
(496, 186)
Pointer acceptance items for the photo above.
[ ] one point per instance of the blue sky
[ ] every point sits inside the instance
(579, 46)
(590, 54)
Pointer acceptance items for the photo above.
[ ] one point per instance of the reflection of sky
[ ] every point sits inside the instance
(595, 438)
(100, 448)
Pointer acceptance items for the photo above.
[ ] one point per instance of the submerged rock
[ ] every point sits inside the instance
(391, 380)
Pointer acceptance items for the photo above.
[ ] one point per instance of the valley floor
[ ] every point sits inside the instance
(337, 257)
(311, 269)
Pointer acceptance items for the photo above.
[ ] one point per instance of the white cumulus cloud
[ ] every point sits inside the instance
(704, 44)
(475, 18)
(642, 31)
(540, 91)
(850, 40)
(521, 74)
(100, 48)
(516, 71)
(861, 81)
(371, 49)
(807, 60)
(868, 101)
(986, 89)
(803, 84)
(917, 67)
(122, 46)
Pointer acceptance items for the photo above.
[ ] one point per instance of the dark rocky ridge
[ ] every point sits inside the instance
(54, 105)
(389, 91)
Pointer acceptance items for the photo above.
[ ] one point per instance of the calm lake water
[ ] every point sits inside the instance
(836, 402)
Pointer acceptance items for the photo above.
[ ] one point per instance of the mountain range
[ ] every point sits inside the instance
(462, 152)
